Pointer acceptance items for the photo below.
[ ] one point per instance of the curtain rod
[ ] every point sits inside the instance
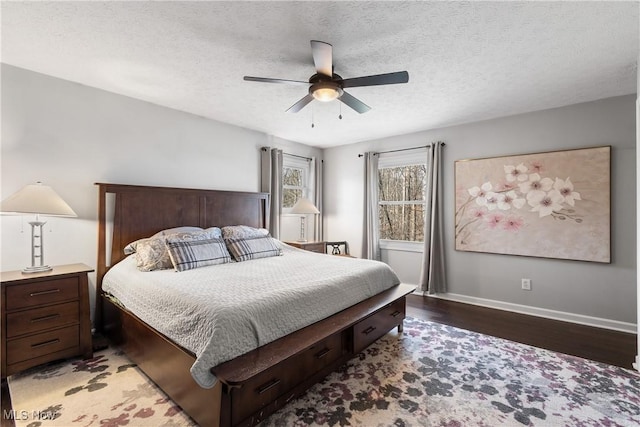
(288, 154)
(295, 155)
(402, 149)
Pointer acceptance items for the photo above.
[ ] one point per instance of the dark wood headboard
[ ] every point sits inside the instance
(142, 211)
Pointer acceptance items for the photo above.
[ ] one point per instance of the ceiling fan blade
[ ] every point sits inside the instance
(269, 80)
(354, 103)
(378, 79)
(322, 57)
(300, 104)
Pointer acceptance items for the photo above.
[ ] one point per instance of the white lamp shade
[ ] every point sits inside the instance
(304, 206)
(37, 199)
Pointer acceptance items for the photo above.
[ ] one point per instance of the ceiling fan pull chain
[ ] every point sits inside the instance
(340, 115)
(312, 120)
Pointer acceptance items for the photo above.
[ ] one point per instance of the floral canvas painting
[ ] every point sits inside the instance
(552, 205)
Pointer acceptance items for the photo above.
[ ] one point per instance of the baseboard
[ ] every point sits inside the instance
(541, 312)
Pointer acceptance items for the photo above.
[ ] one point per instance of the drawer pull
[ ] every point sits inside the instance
(50, 291)
(274, 382)
(42, 344)
(43, 318)
(396, 313)
(322, 353)
(369, 330)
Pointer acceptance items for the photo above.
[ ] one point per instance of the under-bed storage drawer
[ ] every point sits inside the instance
(266, 387)
(378, 324)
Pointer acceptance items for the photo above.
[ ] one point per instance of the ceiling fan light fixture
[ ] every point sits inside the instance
(325, 91)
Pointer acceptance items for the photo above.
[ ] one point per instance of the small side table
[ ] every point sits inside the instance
(318, 247)
(45, 317)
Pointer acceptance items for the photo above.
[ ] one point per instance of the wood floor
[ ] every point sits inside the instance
(603, 345)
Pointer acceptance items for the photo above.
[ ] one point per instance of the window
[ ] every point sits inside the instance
(295, 178)
(401, 197)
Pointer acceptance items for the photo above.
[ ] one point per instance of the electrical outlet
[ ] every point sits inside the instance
(526, 284)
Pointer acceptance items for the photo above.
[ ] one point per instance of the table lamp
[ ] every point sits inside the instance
(37, 199)
(304, 207)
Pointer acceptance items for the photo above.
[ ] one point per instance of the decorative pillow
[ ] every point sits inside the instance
(177, 230)
(235, 232)
(189, 254)
(254, 248)
(131, 247)
(152, 254)
(215, 232)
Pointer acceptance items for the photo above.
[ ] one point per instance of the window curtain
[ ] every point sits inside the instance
(432, 276)
(271, 182)
(371, 232)
(316, 170)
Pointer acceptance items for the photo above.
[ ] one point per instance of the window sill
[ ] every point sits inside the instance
(401, 245)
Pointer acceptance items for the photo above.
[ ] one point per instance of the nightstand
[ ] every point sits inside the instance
(318, 247)
(45, 317)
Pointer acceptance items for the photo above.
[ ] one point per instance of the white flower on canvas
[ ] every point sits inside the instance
(516, 173)
(536, 187)
(492, 200)
(545, 203)
(480, 193)
(510, 199)
(565, 188)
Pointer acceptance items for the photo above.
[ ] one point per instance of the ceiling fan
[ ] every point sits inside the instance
(326, 86)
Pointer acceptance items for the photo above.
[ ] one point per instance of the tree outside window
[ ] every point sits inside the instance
(401, 202)
(293, 185)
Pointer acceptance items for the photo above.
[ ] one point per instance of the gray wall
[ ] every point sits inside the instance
(70, 136)
(605, 291)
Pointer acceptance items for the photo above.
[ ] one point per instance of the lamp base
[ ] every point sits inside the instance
(37, 249)
(302, 240)
(37, 269)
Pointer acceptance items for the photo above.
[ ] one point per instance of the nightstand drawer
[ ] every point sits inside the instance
(41, 344)
(44, 292)
(39, 319)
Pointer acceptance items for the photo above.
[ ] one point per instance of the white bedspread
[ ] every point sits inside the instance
(222, 311)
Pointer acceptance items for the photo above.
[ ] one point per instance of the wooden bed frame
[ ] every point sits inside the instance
(253, 385)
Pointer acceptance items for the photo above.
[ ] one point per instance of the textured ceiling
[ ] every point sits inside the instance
(466, 61)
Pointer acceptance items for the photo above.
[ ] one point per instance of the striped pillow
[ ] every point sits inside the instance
(189, 254)
(254, 248)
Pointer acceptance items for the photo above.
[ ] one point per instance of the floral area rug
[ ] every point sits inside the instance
(438, 375)
(430, 375)
(106, 391)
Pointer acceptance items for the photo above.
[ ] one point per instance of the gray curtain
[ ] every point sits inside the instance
(271, 182)
(371, 231)
(316, 170)
(432, 276)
